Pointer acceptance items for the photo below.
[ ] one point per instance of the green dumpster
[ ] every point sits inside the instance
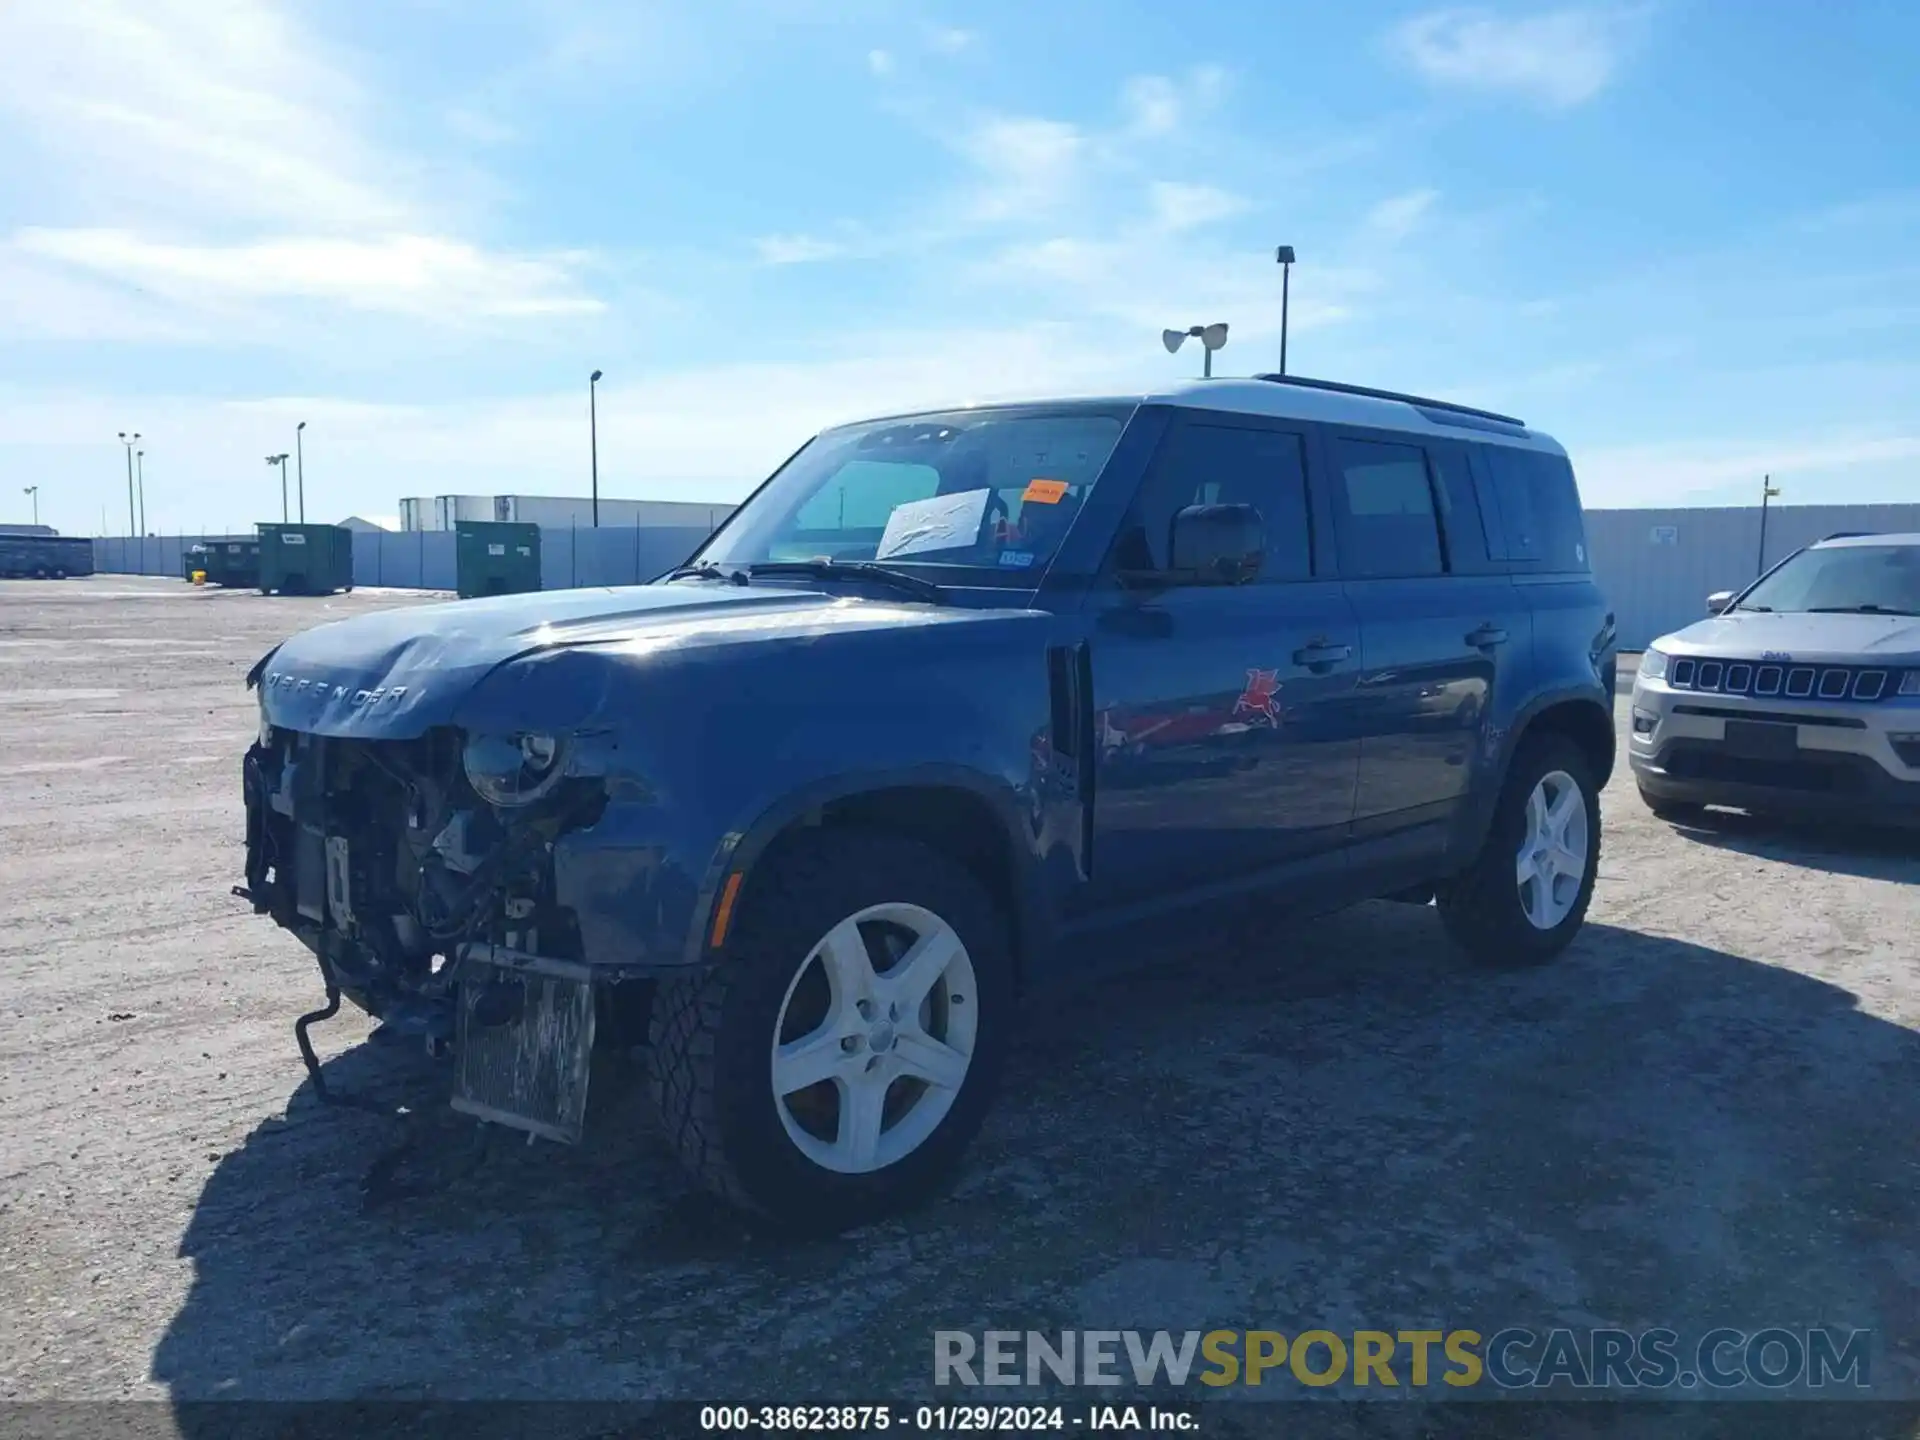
(236, 563)
(232, 563)
(495, 557)
(305, 559)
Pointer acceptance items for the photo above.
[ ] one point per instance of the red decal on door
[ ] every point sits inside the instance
(1261, 697)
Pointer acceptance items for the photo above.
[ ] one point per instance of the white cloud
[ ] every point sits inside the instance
(797, 249)
(1178, 205)
(1559, 58)
(222, 109)
(880, 62)
(1028, 165)
(414, 275)
(952, 40)
(1160, 104)
(1399, 216)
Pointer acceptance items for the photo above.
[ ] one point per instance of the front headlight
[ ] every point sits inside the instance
(1653, 664)
(510, 770)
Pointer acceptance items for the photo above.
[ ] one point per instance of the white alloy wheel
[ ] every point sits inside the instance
(874, 1038)
(1552, 862)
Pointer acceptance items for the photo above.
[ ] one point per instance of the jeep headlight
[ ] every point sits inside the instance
(1653, 664)
(511, 770)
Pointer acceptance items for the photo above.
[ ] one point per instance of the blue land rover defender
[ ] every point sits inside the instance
(956, 705)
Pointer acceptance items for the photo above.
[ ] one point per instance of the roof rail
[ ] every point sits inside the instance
(1847, 535)
(1341, 388)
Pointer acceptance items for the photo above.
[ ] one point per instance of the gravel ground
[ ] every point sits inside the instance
(1704, 1114)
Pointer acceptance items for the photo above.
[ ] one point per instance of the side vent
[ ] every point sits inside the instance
(1070, 738)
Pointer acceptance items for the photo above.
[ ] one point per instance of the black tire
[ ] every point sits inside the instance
(1482, 908)
(712, 1032)
(1676, 812)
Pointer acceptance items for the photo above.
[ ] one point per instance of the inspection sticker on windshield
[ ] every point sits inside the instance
(1044, 492)
(941, 522)
(1016, 559)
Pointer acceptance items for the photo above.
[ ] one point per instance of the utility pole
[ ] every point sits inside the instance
(132, 521)
(593, 440)
(140, 478)
(300, 468)
(281, 461)
(1284, 257)
(1768, 491)
(33, 492)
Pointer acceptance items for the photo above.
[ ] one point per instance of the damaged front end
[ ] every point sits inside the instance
(420, 873)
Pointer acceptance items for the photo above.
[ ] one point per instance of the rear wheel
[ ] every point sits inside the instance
(834, 1064)
(1526, 896)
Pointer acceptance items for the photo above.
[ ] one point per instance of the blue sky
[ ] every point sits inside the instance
(1682, 235)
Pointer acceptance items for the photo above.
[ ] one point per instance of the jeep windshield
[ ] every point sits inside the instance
(1843, 580)
(967, 497)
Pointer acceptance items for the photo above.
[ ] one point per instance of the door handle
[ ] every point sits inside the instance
(1486, 637)
(1320, 654)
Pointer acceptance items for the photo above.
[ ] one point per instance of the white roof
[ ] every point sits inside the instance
(1276, 399)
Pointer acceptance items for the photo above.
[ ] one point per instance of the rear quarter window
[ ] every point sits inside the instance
(1540, 526)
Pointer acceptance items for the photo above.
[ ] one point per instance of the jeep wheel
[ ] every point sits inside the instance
(1674, 812)
(834, 1064)
(1526, 895)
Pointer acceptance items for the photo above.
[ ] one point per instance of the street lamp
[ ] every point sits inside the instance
(1284, 258)
(1768, 491)
(300, 469)
(33, 493)
(593, 439)
(129, 443)
(1211, 338)
(281, 461)
(140, 478)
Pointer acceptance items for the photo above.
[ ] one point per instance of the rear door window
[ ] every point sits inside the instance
(1540, 524)
(1388, 522)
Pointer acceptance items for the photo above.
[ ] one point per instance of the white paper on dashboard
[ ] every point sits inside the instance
(943, 522)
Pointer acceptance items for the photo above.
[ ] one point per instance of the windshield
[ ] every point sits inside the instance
(987, 491)
(1868, 579)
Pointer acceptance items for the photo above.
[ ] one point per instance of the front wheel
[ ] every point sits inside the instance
(833, 1065)
(1526, 895)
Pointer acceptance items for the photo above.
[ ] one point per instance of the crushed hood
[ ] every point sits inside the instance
(397, 673)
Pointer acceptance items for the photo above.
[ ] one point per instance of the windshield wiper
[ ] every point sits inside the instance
(707, 571)
(1762, 609)
(1867, 609)
(857, 569)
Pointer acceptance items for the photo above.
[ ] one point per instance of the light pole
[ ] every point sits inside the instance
(33, 493)
(1768, 491)
(1211, 338)
(1284, 257)
(129, 443)
(300, 468)
(281, 461)
(593, 440)
(140, 479)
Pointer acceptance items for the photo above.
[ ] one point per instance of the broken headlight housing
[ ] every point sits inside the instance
(514, 770)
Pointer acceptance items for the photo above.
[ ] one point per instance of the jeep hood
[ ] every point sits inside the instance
(1752, 634)
(397, 673)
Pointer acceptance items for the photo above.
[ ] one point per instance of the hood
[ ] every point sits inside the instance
(1789, 635)
(397, 673)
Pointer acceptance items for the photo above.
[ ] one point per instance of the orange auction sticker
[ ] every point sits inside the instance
(1045, 492)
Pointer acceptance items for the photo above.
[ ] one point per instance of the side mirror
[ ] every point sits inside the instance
(1718, 601)
(1218, 544)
